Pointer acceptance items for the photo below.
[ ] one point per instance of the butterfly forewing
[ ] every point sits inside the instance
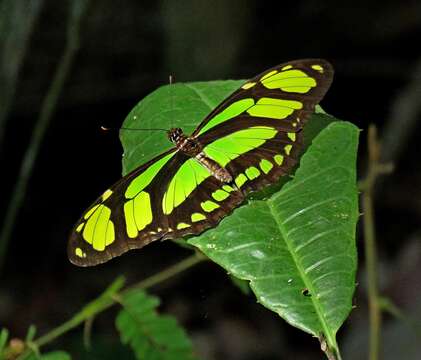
(298, 82)
(263, 139)
(110, 225)
(255, 134)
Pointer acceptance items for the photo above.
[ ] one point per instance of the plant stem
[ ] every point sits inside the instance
(331, 355)
(77, 10)
(106, 300)
(374, 170)
(372, 278)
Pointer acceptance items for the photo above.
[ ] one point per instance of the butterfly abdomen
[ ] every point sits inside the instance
(214, 168)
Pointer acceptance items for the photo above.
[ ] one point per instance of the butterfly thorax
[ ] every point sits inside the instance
(192, 148)
(186, 144)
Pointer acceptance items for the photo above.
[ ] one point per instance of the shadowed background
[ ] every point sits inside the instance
(126, 51)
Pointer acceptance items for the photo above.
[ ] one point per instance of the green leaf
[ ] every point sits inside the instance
(151, 336)
(54, 355)
(296, 241)
(4, 335)
(297, 248)
(32, 330)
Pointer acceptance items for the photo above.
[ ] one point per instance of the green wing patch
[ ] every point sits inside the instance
(186, 179)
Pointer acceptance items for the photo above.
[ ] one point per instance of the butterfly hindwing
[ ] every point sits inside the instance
(169, 197)
(264, 164)
(204, 207)
(255, 134)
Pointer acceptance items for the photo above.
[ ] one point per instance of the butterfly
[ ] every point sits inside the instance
(247, 142)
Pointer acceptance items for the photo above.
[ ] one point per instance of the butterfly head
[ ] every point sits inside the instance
(175, 134)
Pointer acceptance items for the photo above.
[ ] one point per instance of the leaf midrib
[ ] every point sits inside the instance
(306, 280)
(330, 337)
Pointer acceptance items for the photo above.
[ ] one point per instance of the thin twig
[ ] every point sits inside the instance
(108, 299)
(100, 304)
(375, 168)
(77, 10)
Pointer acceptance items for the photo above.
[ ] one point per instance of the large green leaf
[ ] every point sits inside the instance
(151, 336)
(297, 248)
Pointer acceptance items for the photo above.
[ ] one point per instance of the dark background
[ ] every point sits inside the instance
(128, 49)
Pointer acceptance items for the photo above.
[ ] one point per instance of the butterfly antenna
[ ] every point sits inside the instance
(134, 129)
